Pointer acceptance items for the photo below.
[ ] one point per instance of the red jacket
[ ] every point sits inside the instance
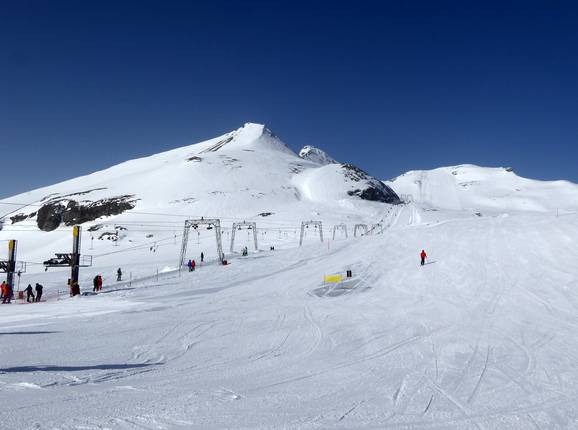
(423, 254)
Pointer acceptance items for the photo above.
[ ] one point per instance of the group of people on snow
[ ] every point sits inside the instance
(30, 294)
(192, 264)
(97, 283)
(6, 293)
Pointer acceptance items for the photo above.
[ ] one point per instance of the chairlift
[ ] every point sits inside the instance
(210, 227)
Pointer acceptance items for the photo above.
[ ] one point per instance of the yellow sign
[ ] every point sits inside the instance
(11, 245)
(75, 231)
(333, 278)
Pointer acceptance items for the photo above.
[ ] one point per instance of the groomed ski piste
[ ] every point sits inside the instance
(481, 337)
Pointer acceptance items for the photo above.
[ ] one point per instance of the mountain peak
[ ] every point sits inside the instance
(251, 136)
(316, 155)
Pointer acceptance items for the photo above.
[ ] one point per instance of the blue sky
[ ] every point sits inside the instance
(389, 86)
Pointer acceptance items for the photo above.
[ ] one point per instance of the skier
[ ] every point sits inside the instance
(38, 292)
(29, 294)
(423, 256)
(95, 284)
(5, 292)
(190, 265)
(99, 282)
(118, 275)
(202, 257)
(74, 289)
(193, 264)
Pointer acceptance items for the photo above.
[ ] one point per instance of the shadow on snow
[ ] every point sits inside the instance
(25, 369)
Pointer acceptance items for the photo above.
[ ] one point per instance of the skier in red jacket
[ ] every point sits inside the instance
(423, 256)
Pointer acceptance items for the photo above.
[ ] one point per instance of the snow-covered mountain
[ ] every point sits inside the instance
(247, 174)
(473, 188)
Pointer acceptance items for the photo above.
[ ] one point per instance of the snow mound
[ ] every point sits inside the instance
(475, 188)
(334, 182)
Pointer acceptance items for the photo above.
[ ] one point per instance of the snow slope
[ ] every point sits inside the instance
(474, 188)
(482, 337)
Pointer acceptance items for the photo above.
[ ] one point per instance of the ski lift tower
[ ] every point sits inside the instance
(306, 224)
(360, 227)
(71, 260)
(211, 223)
(9, 266)
(340, 227)
(244, 225)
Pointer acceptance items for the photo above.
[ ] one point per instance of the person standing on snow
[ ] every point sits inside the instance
(202, 257)
(5, 292)
(193, 264)
(95, 284)
(423, 256)
(118, 275)
(99, 282)
(29, 294)
(38, 292)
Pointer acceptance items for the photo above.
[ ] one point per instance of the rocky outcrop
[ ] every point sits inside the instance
(370, 188)
(316, 155)
(70, 212)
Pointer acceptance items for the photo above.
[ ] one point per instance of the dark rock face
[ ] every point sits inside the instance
(18, 217)
(373, 189)
(49, 216)
(71, 212)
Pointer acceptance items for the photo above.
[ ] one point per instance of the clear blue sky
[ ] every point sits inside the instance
(390, 86)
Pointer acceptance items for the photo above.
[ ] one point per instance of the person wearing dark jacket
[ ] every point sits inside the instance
(38, 292)
(118, 275)
(95, 284)
(29, 294)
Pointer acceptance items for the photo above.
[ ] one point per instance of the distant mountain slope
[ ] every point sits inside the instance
(245, 172)
(470, 187)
